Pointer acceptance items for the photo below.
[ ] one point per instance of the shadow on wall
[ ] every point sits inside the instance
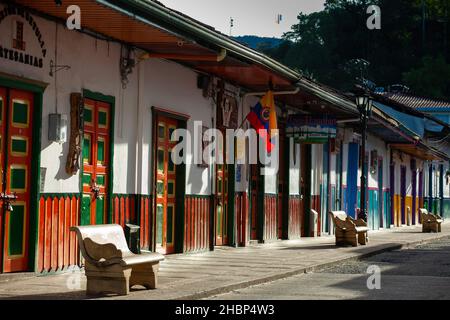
(61, 174)
(198, 180)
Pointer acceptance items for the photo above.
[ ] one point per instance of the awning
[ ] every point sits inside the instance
(414, 124)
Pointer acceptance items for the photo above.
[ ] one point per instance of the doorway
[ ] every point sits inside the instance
(96, 162)
(222, 207)
(403, 194)
(165, 185)
(16, 139)
(381, 213)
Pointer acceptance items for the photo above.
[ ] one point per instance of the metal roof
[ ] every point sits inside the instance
(420, 103)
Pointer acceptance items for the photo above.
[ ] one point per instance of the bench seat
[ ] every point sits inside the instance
(109, 264)
(361, 229)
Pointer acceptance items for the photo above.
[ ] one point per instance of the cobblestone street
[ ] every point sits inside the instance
(421, 273)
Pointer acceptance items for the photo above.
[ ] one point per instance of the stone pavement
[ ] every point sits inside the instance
(202, 275)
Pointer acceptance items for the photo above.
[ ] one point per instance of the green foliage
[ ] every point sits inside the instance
(326, 44)
(431, 78)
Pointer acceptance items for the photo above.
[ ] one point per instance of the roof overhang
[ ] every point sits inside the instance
(163, 32)
(420, 151)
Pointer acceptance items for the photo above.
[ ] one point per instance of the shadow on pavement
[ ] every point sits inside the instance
(420, 273)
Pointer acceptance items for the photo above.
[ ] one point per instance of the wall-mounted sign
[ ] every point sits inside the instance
(227, 108)
(311, 129)
(17, 51)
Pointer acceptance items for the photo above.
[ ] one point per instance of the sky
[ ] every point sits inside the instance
(251, 17)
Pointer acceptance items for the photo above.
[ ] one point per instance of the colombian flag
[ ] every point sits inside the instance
(263, 116)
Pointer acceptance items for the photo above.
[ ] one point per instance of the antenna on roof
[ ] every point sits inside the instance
(279, 18)
(231, 24)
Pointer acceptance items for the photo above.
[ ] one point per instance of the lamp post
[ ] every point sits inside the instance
(364, 104)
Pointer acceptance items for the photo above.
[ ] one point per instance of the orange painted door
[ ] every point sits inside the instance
(165, 185)
(96, 162)
(16, 110)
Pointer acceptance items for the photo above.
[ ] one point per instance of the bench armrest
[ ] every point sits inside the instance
(359, 222)
(347, 224)
(99, 251)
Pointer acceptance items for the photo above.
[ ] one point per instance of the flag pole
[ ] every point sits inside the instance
(245, 119)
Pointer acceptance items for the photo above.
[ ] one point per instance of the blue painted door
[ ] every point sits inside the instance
(352, 179)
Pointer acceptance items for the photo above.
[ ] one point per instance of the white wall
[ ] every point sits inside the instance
(94, 65)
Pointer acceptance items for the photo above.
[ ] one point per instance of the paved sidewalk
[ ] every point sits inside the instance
(197, 276)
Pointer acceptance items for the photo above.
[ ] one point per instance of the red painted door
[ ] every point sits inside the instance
(16, 110)
(96, 162)
(254, 192)
(221, 204)
(165, 173)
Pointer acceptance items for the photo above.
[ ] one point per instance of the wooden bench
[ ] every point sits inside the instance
(349, 231)
(430, 221)
(109, 264)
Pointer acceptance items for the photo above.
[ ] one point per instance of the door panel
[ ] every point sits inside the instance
(16, 138)
(96, 161)
(165, 185)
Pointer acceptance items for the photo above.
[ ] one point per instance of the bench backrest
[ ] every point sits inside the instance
(341, 215)
(425, 214)
(106, 234)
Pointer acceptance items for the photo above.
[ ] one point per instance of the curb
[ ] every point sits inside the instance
(320, 266)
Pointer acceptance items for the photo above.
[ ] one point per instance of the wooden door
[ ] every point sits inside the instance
(255, 185)
(165, 185)
(403, 195)
(221, 204)
(16, 110)
(381, 214)
(96, 162)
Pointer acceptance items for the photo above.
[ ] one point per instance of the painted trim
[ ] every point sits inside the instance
(111, 100)
(171, 114)
(20, 83)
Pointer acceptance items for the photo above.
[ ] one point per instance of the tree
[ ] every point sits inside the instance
(431, 78)
(326, 43)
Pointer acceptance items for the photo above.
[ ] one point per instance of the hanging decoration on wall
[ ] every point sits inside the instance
(76, 133)
(311, 129)
(227, 108)
(127, 64)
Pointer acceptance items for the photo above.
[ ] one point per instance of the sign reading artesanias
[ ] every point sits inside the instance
(18, 52)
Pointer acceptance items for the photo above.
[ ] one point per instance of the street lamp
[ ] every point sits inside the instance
(364, 104)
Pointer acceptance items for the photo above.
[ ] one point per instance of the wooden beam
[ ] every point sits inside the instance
(186, 57)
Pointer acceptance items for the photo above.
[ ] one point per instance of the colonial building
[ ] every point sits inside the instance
(86, 135)
(437, 173)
